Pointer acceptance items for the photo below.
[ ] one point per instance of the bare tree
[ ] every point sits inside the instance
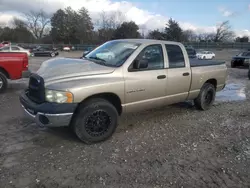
(110, 20)
(189, 36)
(206, 37)
(223, 32)
(18, 23)
(37, 22)
(107, 24)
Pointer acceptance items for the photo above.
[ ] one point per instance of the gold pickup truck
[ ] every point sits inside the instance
(118, 77)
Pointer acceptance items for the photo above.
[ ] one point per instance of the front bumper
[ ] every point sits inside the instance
(47, 114)
(26, 74)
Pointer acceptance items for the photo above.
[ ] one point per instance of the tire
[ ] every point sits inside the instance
(202, 102)
(3, 82)
(249, 73)
(213, 57)
(87, 113)
(233, 65)
(204, 57)
(52, 54)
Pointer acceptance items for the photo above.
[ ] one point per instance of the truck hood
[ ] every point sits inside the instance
(61, 68)
(241, 57)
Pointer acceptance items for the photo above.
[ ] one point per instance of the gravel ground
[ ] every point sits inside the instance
(175, 146)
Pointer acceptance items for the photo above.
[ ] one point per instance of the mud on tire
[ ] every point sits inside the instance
(3, 82)
(206, 97)
(95, 120)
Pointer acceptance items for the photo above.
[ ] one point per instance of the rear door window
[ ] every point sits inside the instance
(175, 56)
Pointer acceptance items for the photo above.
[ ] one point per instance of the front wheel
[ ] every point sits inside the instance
(95, 121)
(206, 97)
(3, 82)
(204, 57)
(52, 54)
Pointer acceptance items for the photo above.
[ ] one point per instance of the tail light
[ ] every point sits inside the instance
(26, 62)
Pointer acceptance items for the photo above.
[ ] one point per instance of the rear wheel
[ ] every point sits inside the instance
(95, 121)
(206, 97)
(204, 57)
(3, 82)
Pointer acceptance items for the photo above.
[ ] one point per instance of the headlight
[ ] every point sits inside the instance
(58, 96)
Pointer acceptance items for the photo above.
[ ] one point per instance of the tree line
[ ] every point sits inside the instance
(67, 26)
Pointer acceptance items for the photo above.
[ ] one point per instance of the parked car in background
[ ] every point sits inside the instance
(44, 51)
(89, 94)
(85, 52)
(11, 48)
(205, 55)
(242, 59)
(105, 54)
(66, 48)
(4, 43)
(191, 52)
(13, 66)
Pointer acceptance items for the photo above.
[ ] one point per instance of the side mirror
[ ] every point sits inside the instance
(140, 64)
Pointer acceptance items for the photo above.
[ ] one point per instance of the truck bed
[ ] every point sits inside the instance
(200, 62)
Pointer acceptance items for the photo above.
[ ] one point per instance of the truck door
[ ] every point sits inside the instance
(178, 74)
(146, 88)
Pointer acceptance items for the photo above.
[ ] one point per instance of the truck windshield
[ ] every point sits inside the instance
(113, 53)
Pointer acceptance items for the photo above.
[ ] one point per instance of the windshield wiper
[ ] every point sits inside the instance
(97, 58)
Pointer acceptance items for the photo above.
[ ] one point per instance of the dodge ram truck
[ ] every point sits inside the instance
(89, 94)
(13, 66)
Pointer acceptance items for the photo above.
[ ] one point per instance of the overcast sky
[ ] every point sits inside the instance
(197, 15)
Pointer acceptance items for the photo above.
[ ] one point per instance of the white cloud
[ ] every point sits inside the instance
(242, 33)
(225, 12)
(145, 19)
(5, 19)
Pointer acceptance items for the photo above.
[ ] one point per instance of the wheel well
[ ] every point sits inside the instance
(212, 81)
(4, 72)
(111, 97)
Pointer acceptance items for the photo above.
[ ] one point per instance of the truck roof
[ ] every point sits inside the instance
(148, 41)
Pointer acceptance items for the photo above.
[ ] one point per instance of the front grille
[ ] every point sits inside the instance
(36, 90)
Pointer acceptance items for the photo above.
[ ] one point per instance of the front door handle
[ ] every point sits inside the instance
(185, 74)
(161, 77)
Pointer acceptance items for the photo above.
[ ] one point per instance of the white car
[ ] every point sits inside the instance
(66, 48)
(14, 49)
(205, 55)
(105, 54)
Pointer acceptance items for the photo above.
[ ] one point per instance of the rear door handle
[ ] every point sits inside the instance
(161, 77)
(185, 74)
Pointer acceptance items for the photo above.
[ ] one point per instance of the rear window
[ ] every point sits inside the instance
(245, 54)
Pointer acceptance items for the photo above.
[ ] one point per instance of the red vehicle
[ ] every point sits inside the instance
(13, 66)
(4, 43)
